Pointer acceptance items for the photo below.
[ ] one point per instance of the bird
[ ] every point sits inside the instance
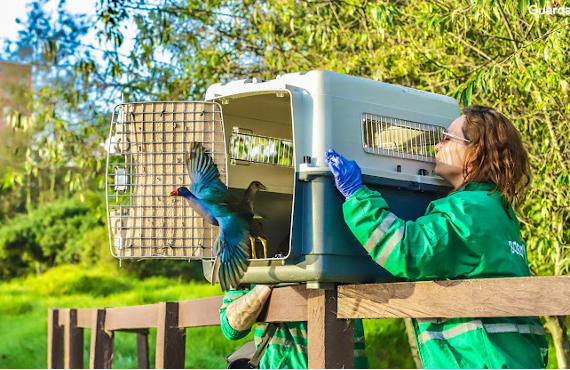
(256, 231)
(211, 199)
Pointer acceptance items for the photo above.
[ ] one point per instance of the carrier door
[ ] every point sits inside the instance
(145, 162)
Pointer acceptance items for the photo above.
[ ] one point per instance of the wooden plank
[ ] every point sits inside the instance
(54, 340)
(101, 352)
(286, 304)
(73, 342)
(524, 296)
(142, 350)
(85, 318)
(132, 317)
(170, 338)
(330, 340)
(200, 312)
(63, 316)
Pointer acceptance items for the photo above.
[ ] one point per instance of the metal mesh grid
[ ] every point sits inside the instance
(145, 162)
(250, 148)
(399, 138)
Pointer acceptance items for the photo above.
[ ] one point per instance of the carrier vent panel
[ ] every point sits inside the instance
(399, 138)
(246, 147)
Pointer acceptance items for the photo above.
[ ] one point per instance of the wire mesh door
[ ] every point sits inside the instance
(147, 147)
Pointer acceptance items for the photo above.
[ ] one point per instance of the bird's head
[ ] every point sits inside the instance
(256, 185)
(181, 192)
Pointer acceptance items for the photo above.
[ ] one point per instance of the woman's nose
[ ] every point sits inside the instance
(438, 146)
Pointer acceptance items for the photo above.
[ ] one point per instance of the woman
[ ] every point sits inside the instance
(472, 233)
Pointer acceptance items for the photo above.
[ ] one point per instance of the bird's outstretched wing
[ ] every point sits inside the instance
(231, 249)
(231, 261)
(201, 166)
(205, 177)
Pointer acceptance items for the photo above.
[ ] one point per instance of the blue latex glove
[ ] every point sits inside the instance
(347, 174)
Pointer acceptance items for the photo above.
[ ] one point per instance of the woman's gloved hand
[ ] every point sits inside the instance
(243, 312)
(347, 174)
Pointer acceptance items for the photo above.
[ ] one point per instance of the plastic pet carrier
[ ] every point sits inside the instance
(275, 132)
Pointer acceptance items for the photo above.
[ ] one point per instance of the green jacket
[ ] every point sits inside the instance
(288, 347)
(466, 235)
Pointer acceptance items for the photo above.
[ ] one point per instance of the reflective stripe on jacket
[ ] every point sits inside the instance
(466, 235)
(288, 347)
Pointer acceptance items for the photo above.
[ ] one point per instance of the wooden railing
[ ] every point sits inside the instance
(328, 313)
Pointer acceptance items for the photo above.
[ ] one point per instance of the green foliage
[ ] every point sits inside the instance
(12, 195)
(177, 269)
(387, 344)
(94, 247)
(65, 128)
(70, 230)
(47, 235)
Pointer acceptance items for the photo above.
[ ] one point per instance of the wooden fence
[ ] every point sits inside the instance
(328, 313)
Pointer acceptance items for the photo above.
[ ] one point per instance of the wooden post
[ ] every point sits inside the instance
(55, 340)
(142, 350)
(73, 342)
(101, 353)
(170, 338)
(330, 340)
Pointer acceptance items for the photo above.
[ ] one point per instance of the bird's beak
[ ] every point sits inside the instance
(263, 187)
(173, 193)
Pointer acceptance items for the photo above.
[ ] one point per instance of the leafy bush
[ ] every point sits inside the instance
(178, 269)
(69, 280)
(47, 235)
(71, 230)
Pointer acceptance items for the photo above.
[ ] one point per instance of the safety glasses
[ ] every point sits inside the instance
(446, 136)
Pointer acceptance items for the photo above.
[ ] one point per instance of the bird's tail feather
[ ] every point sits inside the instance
(231, 263)
(215, 271)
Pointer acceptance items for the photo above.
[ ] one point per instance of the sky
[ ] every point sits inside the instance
(12, 9)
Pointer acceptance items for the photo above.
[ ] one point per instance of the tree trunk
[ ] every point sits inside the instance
(29, 193)
(413, 343)
(557, 328)
(52, 183)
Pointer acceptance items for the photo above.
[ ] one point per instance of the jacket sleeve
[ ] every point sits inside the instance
(435, 246)
(229, 332)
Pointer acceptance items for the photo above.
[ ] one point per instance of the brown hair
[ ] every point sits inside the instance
(496, 153)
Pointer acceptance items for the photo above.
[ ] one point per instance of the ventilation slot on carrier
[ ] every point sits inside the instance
(399, 138)
(246, 148)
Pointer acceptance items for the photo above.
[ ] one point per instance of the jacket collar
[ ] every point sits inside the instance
(475, 186)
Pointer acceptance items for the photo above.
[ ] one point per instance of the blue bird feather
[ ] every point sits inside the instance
(210, 198)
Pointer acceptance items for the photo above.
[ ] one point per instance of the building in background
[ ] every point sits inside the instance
(15, 90)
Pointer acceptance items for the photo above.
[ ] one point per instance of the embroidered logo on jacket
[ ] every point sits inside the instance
(517, 248)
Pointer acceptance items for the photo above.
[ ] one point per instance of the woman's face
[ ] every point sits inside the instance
(450, 154)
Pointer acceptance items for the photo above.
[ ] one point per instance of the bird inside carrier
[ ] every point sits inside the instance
(270, 137)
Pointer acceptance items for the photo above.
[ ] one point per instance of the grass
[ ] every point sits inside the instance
(24, 304)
